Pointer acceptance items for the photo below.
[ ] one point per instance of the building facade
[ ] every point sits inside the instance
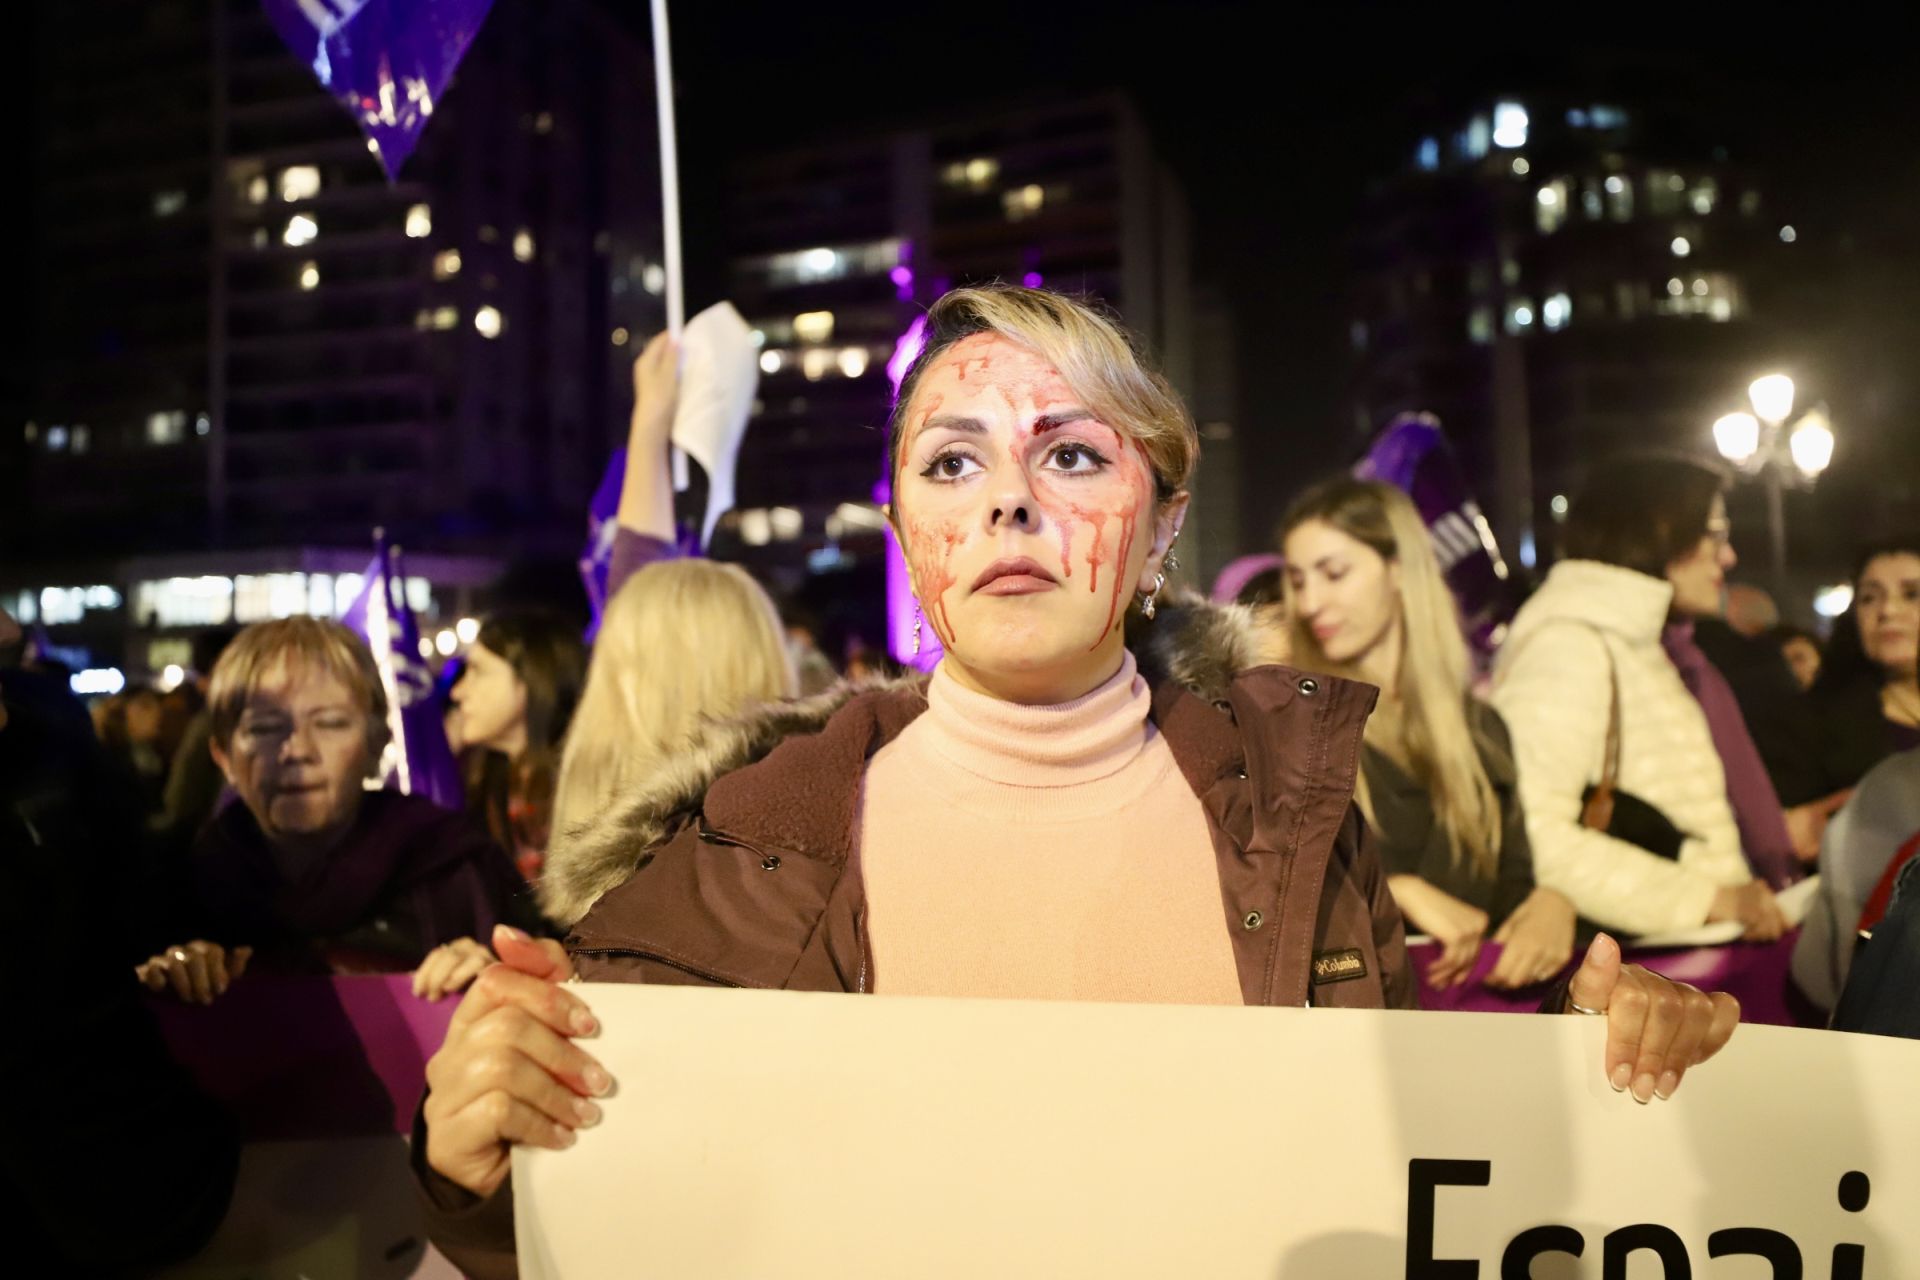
(1557, 283)
(248, 339)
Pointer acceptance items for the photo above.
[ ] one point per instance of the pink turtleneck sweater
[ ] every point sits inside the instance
(1041, 853)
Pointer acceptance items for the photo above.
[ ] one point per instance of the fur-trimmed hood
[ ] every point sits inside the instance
(1197, 645)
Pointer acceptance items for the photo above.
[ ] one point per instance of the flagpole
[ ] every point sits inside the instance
(669, 169)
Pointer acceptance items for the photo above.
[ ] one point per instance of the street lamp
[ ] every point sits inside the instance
(1760, 444)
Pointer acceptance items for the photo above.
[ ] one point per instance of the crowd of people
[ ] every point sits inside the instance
(696, 799)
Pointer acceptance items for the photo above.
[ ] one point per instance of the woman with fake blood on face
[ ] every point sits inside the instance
(1057, 813)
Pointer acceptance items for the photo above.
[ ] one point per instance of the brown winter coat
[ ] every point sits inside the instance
(739, 867)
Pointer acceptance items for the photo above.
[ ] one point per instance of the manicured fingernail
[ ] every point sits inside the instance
(589, 1113)
(1621, 1075)
(1669, 1081)
(583, 1023)
(1643, 1087)
(598, 1081)
(563, 1137)
(516, 934)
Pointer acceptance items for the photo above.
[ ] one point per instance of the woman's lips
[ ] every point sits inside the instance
(1016, 577)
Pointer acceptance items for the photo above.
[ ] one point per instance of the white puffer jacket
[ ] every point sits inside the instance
(1550, 684)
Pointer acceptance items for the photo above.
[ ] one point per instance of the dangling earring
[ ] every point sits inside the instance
(1172, 561)
(1147, 606)
(918, 621)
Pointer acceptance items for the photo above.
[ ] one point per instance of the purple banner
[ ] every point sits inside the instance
(418, 760)
(386, 61)
(1412, 454)
(596, 558)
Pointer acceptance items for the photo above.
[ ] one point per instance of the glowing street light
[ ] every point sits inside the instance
(1811, 444)
(1772, 398)
(1737, 437)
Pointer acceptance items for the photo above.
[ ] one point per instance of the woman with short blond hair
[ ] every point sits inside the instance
(311, 872)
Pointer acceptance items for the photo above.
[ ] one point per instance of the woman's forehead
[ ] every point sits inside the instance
(295, 678)
(987, 365)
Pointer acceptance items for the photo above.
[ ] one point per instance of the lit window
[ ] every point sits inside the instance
(853, 361)
(1556, 311)
(446, 264)
(1024, 202)
(523, 245)
(1720, 309)
(300, 182)
(183, 602)
(81, 438)
(1519, 315)
(1559, 506)
(1509, 125)
(1607, 118)
(758, 337)
(1681, 246)
(301, 229)
(1676, 287)
(813, 326)
(1428, 156)
(309, 276)
(489, 321)
(1662, 189)
(260, 237)
(1590, 201)
(977, 173)
(1480, 325)
(56, 438)
(202, 425)
(1550, 206)
(167, 427)
(467, 629)
(1699, 287)
(815, 362)
(446, 317)
(419, 222)
(1520, 167)
(756, 528)
(1749, 203)
(620, 336)
(787, 523)
(168, 203)
(1788, 235)
(1705, 193)
(257, 189)
(543, 123)
(653, 278)
(1676, 183)
(1473, 143)
(1510, 271)
(1616, 184)
(1577, 117)
(770, 361)
(258, 597)
(33, 432)
(446, 642)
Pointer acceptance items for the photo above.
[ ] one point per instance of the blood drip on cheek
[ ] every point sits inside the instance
(931, 548)
(1069, 515)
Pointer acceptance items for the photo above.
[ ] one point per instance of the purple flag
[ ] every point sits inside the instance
(386, 61)
(1413, 455)
(418, 760)
(596, 558)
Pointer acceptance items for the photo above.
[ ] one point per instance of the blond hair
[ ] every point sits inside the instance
(290, 644)
(1430, 736)
(681, 641)
(1094, 354)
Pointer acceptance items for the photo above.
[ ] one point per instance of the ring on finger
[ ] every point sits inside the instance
(180, 954)
(1577, 1007)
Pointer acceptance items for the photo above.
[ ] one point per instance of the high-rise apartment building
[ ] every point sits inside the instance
(248, 339)
(1558, 284)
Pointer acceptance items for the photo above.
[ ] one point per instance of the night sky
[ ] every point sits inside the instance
(1277, 117)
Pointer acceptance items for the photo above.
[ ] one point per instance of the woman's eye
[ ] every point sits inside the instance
(950, 466)
(1076, 459)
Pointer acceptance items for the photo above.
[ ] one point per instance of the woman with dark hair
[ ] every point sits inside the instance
(1621, 775)
(1076, 805)
(1868, 691)
(516, 697)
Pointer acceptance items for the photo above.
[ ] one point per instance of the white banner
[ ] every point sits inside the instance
(776, 1134)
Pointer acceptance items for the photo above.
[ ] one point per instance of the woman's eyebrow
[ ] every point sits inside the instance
(1061, 418)
(952, 422)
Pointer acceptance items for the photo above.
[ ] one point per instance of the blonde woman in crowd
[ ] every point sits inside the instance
(1437, 782)
(1060, 812)
(683, 641)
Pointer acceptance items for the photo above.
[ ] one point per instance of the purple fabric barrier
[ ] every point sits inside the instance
(301, 1058)
(386, 61)
(1756, 974)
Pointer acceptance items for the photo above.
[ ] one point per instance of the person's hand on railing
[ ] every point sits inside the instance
(450, 967)
(1536, 941)
(509, 1071)
(195, 971)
